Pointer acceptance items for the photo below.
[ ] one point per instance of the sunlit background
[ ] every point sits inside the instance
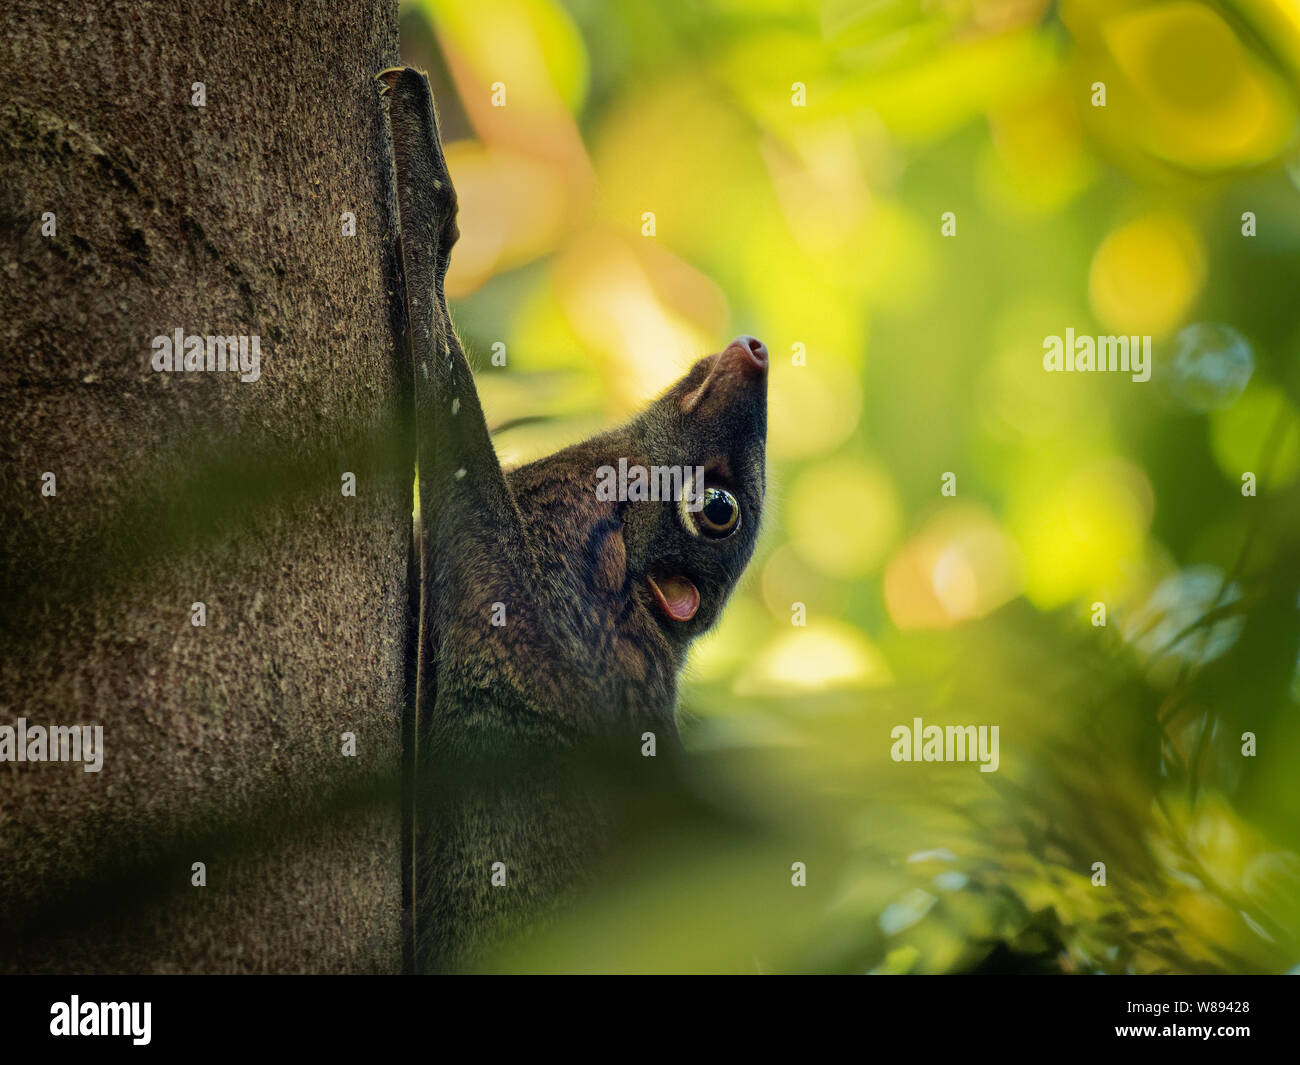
(665, 175)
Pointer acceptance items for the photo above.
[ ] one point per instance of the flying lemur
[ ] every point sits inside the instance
(553, 622)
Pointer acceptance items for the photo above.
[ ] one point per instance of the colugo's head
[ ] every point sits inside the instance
(607, 534)
(689, 553)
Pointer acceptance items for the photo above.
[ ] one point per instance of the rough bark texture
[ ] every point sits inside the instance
(223, 744)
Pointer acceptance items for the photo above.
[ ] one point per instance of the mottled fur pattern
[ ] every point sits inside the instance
(527, 729)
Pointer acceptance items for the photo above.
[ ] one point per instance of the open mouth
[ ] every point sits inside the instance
(678, 597)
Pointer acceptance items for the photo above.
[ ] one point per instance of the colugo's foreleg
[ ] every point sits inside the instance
(457, 463)
(473, 551)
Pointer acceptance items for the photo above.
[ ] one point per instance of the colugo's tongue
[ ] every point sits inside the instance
(678, 596)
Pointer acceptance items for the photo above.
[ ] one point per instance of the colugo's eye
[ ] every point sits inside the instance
(720, 514)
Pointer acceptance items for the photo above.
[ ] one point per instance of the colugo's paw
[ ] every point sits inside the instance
(427, 198)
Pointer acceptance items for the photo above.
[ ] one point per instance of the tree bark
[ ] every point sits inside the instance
(223, 743)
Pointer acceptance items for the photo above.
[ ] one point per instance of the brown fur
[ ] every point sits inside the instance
(530, 732)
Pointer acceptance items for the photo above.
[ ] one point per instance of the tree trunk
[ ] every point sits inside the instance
(223, 743)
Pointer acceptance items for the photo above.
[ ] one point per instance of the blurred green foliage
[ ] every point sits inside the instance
(800, 160)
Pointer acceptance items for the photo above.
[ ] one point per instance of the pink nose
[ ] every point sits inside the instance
(746, 354)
